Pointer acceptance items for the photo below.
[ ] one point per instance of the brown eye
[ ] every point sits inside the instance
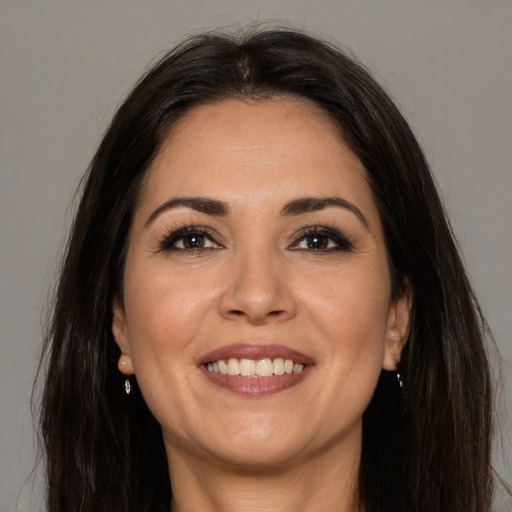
(322, 240)
(195, 241)
(189, 239)
(318, 242)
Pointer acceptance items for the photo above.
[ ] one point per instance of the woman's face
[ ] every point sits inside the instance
(256, 247)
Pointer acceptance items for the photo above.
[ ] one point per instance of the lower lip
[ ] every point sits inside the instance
(256, 386)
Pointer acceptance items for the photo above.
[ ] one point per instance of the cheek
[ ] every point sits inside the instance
(164, 317)
(164, 313)
(351, 313)
(352, 307)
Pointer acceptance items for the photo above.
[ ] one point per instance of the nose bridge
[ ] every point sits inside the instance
(257, 290)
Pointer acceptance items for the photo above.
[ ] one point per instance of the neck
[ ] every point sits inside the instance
(320, 482)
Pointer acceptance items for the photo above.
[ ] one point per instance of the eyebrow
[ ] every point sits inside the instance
(219, 208)
(200, 204)
(312, 204)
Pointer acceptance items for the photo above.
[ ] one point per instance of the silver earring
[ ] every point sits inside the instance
(127, 386)
(399, 378)
(400, 381)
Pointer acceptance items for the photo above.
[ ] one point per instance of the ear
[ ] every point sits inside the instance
(124, 364)
(397, 327)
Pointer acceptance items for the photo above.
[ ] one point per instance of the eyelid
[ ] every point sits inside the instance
(342, 241)
(173, 235)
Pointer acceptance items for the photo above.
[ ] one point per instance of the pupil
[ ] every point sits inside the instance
(194, 241)
(316, 242)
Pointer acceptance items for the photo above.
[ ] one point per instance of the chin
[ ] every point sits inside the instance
(256, 456)
(249, 444)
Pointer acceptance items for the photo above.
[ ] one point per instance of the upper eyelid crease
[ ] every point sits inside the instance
(167, 241)
(186, 231)
(333, 234)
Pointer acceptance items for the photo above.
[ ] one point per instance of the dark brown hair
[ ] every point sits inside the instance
(428, 452)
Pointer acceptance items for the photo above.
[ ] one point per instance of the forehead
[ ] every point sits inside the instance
(256, 151)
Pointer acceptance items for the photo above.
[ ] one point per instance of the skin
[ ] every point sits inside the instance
(256, 281)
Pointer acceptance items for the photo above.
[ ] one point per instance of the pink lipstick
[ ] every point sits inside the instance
(255, 370)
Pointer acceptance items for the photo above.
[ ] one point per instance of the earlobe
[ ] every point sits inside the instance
(398, 328)
(120, 337)
(125, 365)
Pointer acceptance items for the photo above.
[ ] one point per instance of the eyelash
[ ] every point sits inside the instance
(342, 243)
(168, 242)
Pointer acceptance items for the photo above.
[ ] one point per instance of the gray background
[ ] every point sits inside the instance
(66, 65)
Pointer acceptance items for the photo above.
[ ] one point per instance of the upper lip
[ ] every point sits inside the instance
(255, 351)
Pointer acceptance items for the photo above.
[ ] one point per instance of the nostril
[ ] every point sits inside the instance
(258, 306)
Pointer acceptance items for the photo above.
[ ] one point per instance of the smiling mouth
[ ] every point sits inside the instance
(264, 367)
(255, 370)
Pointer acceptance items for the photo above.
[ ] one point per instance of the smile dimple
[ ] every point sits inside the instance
(264, 367)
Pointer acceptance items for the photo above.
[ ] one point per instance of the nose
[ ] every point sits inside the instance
(257, 290)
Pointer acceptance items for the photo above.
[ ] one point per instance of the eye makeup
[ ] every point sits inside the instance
(190, 238)
(321, 239)
(197, 238)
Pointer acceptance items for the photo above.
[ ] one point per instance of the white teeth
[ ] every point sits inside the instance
(297, 368)
(264, 367)
(233, 367)
(278, 366)
(247, 367)
(223, 367)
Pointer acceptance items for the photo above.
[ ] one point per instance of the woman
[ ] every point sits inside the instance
(262, 306)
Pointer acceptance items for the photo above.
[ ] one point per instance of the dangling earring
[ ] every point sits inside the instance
(400, 380)
(399, 376)
(127, 386)
(123, 368)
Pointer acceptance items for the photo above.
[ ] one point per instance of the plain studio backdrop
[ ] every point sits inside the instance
(66, 65)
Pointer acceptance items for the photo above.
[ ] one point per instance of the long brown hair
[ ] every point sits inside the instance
(426, 448)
